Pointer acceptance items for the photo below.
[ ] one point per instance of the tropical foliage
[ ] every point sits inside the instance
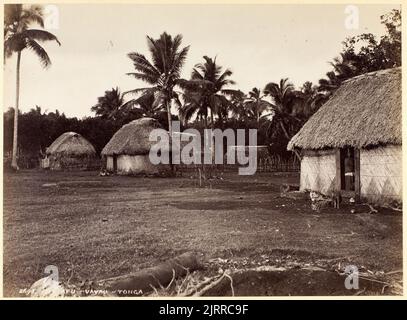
(108, 105)
(373, 54)
(19, 36)
(204, 92)
(162, 73)
(207, 99)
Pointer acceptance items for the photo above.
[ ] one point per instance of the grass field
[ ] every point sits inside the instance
(94, 227)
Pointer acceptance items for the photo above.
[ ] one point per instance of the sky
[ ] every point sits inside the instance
(259, 43)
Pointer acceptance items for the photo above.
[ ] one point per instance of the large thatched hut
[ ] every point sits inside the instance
(70, 151)
(352, 144)
(128, 150)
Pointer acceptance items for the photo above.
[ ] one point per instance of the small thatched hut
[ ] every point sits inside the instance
(70, 151)
(352, 145)
(128, 150)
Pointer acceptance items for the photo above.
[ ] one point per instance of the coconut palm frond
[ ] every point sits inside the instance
(149, 78)
(142, 64)
(196, 74)
(177, 101)
(140, 90)
(208, 82)
(223, 78)
(195, 84)
(179, 61)
(14, 43)
(33, 14)
(162, 71)
(40, 52)
(39, 35)
(232, 93)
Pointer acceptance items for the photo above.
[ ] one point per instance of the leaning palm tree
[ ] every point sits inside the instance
(17, 37)
(162, 73)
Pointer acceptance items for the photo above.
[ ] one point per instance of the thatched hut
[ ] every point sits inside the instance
(352, 144)
(70, 151)
(128, 150)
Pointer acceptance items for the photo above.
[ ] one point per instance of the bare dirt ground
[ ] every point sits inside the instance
(94, 227)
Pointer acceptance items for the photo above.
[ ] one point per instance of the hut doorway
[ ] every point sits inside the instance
(115, 163)
(347, 169)
(348, 172)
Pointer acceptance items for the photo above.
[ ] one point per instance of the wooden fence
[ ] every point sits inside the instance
(264, 164)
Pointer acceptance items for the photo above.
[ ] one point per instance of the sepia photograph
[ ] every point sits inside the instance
(202, 150)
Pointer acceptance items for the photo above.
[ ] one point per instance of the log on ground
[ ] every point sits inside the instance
(146, 280)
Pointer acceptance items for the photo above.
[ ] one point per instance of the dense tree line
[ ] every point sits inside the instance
(37, 130)
(205, 99)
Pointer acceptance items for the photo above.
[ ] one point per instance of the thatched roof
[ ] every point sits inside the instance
(132, 138)
(71, 144)
(364, 111)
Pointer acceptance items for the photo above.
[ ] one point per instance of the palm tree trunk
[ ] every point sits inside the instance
(168, 107)
(212, 144)
(258, 116)
(14, 164)
(289, 138)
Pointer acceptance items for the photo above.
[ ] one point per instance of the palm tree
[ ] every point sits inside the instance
(108, 105)
(308, 100)
(237, 105)
(344, 66)
(193, 105)
(283, 95)
(146, 106)
(162, 73)
(256, 105)
(207, 85)
(343, 69)
(17, 37)
(330, 84)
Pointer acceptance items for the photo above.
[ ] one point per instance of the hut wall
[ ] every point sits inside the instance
(381, 174)
(44, 163)
(109, 163)
(134, 165)
(318, 171)
(73, 163)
